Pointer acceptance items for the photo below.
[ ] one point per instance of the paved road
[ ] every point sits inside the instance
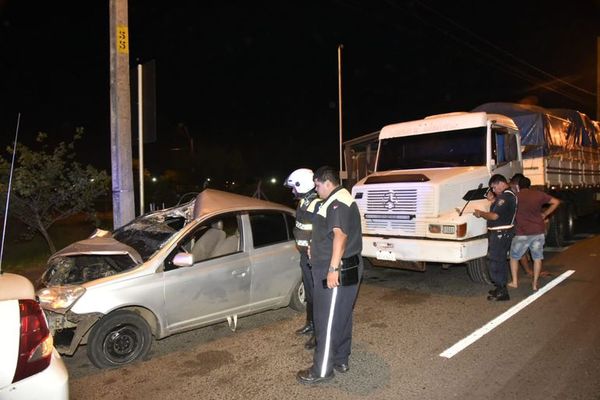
(403, 321)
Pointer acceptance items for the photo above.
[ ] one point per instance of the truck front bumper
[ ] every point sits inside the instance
(423, 250)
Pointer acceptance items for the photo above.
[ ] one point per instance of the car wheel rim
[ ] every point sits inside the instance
(301, 294)
(123, 344)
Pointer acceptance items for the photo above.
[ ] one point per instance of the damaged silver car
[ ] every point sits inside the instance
(219, 257)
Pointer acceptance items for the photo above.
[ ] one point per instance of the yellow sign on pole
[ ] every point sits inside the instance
(122, 39)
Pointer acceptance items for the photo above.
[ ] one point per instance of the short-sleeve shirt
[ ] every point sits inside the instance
(339, 210)
(529, 212)
(505, 205)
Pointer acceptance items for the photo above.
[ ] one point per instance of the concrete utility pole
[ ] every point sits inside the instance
(120, 116)
(343, 174)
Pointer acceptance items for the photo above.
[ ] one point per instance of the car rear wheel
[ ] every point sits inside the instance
(298, 300)
(119, 338)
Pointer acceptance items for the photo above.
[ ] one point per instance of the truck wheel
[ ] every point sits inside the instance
(555, 237)
(298, 300)
(478, 270)
(569, 221)
(119, 338)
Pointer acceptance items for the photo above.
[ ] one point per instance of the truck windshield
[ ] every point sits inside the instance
(459, 148)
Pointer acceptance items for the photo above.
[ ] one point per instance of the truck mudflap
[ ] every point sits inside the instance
(70, 329)
(420, 266)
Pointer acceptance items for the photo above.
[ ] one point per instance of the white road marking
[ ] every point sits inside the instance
(479, 333)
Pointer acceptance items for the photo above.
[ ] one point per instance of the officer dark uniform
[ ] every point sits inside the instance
(333, 307)
(300, 181)
(500, 223)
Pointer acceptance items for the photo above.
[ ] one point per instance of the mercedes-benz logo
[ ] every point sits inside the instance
(389, 204)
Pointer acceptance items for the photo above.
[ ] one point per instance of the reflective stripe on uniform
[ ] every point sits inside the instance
(302, 243)
(500, 228)
(313, 204)
(303, 227)
(328, 337)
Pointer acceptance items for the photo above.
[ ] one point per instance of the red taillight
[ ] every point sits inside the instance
(35, 344)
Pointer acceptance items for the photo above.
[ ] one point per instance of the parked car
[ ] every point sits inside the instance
(30, 367)
(213, 259)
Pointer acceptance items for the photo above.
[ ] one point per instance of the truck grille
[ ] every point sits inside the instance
(396, 209)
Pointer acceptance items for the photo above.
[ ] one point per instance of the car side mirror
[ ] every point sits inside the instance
(183, 260)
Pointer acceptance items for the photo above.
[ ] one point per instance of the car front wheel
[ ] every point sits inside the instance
(298, 300)
(119, 338)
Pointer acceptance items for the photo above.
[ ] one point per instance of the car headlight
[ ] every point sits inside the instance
(60, 298)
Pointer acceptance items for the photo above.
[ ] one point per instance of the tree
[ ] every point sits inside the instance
(48, 185)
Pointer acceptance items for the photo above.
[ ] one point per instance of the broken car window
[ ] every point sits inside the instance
(148, 235)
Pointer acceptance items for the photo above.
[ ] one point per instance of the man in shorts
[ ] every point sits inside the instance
(530, 228)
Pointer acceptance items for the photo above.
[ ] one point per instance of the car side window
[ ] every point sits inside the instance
(268, 228)
(217, 237)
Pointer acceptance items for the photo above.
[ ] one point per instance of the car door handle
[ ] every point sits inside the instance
(238, 274)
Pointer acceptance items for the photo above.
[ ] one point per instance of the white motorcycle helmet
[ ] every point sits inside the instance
(301, 181)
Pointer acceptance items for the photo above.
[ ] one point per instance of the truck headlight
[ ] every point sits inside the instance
(448, 229)
(435, 228)
(60, 298)
(457, 230)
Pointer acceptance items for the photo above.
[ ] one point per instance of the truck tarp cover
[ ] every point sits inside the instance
(548, 131)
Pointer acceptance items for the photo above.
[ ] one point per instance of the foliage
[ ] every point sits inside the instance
(48, 185)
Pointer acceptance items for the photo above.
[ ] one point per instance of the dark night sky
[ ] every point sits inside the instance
(260, 78)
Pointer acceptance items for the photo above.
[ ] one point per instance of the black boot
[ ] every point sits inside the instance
(494, 291)
(309, 327)
(311, 343)
(306, 329)
(501, 295)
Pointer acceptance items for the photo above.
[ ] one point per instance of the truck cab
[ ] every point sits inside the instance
(430, 174)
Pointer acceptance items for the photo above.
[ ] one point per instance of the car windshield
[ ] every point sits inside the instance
(458, 148)
(149, 233)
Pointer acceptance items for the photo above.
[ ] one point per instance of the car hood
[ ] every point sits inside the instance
(105, 246)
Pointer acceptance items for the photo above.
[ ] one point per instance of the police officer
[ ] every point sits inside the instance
(500, 222)
(335, 249)
(301, 182)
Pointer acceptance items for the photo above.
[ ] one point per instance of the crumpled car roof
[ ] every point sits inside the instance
(210, 201)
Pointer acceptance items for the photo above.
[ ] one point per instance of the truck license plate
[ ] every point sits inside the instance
(386, 255)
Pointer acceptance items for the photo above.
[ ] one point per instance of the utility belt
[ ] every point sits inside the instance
(502, 229)
(350, 262)
(348, 272)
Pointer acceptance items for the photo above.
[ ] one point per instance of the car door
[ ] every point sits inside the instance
(275, 259)
(215, 286)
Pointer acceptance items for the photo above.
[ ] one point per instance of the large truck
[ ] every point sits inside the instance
(561, 156)
(430, 174)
